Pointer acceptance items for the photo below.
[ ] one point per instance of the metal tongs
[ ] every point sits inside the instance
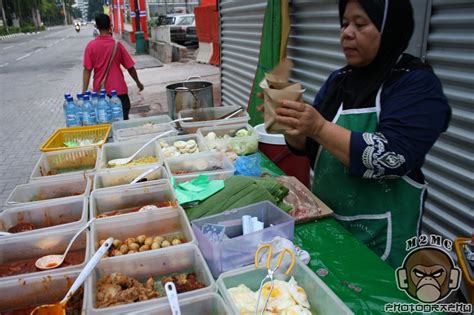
(271, 271)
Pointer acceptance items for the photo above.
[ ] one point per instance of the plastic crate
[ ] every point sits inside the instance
(321, 298)
(96, 134)
(239, 250)
(153, 263)
(130, 129)
(34, 246)
(65, 163)
(239, 145)
(207, 303)
(36, 290)
(468, 280)
(47, 217)
(45, 190)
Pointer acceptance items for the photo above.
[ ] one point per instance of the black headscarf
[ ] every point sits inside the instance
(357, 86)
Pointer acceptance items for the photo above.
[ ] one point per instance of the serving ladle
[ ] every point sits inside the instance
(126, 160)
(53, 261)
(60, 308)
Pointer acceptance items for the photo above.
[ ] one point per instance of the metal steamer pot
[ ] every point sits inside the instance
(189, 94)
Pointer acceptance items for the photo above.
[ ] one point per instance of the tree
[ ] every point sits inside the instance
(95, 8)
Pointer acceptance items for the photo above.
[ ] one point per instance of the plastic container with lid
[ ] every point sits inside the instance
(119, 150)
(45, 190)
(193, 143)
(214, 164)
(125, 175)
(157, 264)
(65, 163)
(210, 116)
(143, 128)
(170, 222)
(130, 198)
(321, 298)
(240, 139)
(35, 290)
(34, 246)
(207, 303)
(48, 216)
(239, 250)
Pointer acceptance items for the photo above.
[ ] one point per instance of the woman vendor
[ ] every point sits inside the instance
(370, 127)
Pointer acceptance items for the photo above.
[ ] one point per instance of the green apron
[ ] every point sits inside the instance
(382, 213)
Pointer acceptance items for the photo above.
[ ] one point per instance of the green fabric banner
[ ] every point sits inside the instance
(270, 47)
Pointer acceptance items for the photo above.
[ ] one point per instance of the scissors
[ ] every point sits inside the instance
(270, 270)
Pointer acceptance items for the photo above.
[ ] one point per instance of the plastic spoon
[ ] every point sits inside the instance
(5, 233)
(146, 173)
(60, 308)
(123, 161)
(53, 261)
(170, 289)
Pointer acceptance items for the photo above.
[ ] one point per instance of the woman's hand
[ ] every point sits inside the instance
(302, 119)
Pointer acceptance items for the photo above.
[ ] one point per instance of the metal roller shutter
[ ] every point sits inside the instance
(449, 165)
(241, 28)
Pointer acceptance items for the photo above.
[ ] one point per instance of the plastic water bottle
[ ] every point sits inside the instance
(88, 112)
(79, 110)
(109, 108)
(102, 108)
(116, 106)
(70, 112)
(94, 102)
(104, 91)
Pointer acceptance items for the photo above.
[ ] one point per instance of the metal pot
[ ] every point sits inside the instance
(189, 95)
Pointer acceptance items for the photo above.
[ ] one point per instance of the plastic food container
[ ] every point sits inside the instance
(130, 198)
(48, 216)
(36, 290)
(125, 175)
(240, 145)
(210, 116)
(65, 163)
(96, 135)
(186, 258)
(239, 250)
(321, 298)
(44, 190)
(140, 127)
(111, 151)
(168, 142)
(214, 164)
(208, 303)
(35, 246)
(167, 222)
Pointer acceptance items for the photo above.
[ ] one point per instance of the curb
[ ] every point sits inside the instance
(10, 36)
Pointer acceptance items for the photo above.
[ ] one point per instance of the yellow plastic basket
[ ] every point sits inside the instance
(467, 279)
(96, 134)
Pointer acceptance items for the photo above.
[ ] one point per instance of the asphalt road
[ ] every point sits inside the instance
(35, 72)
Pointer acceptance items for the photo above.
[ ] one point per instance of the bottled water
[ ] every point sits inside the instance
(103, 91)
(70, 115)
(79, 111)
(102, 108)
(109, 108)
(116, 106)
(88, 113)
(94, 102)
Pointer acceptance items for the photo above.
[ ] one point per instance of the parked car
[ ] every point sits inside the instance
(179, 24)
(191, 35)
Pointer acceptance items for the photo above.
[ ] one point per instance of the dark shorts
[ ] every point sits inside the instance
(125, 105)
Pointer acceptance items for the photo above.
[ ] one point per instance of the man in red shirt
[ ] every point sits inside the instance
(96, 57)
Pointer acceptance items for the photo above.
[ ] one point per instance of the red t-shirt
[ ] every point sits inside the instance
(96, 57)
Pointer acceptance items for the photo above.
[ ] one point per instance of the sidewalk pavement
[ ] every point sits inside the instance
(155, 76)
